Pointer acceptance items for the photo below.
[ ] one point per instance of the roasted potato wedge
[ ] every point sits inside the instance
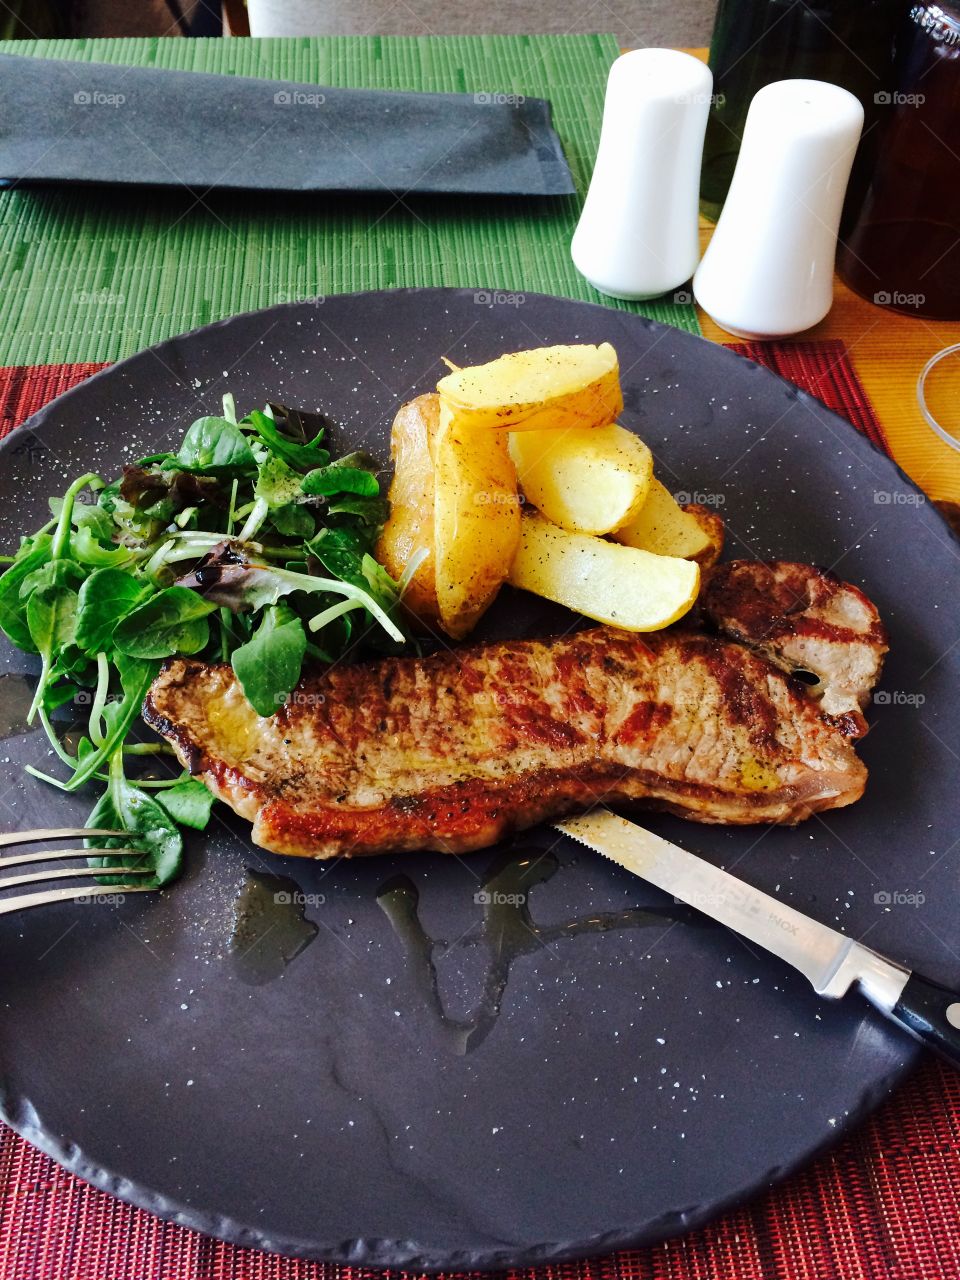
(548, 387)
(712, 525)
(625, 587)
(476, 520)
(586, 479)
(409, 528)
(667, 529)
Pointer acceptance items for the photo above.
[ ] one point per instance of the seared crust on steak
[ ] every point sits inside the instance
(803, 619)
(454, 751)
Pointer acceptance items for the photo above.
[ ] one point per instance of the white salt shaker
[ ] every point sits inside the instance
(768, 271)
(638, 232)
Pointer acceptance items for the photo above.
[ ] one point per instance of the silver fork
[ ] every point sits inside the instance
(21, 901)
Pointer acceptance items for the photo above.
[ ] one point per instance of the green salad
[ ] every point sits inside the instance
(248, 545)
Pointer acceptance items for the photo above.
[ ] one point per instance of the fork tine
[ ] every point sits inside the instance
(55, 833)
(72, 873)
(24, 900)
(50, 855)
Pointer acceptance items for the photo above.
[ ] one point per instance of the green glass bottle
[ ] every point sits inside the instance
(846, 42)
(902, 248)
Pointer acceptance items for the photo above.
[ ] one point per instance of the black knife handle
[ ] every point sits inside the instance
(932, 1014)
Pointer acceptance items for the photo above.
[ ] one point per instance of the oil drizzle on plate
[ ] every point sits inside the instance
(508, 930)
(16, 695)
(269, 927)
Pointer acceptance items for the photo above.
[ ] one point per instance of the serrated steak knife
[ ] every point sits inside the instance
(832, 962)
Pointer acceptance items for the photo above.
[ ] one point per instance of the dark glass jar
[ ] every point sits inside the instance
(902, 248)
(847, 42)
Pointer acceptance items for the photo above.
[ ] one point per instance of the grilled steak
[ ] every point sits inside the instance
(803, 619)
(454, 751)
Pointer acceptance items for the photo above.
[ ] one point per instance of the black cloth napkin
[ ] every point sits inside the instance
(64, 121)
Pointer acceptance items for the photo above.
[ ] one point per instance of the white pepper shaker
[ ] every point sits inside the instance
(768, 271)
(638, 233)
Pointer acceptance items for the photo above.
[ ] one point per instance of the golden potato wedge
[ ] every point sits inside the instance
(663, 527)
(711, 522)
(585, 479)
(476, 520)
(625, 587)
(409, 528)
(548, 387)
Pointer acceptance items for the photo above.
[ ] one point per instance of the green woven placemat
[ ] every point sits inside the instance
(89, 274)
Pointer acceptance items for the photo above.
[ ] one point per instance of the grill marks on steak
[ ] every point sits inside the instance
(454, 751)
(803, 619)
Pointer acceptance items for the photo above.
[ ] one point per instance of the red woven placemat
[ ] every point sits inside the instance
(883, 1205)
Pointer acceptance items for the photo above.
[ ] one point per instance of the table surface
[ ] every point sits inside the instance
(888, 351)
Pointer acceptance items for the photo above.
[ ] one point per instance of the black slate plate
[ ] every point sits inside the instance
(635, 1081)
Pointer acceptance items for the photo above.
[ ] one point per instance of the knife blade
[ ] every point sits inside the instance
(832, 962)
